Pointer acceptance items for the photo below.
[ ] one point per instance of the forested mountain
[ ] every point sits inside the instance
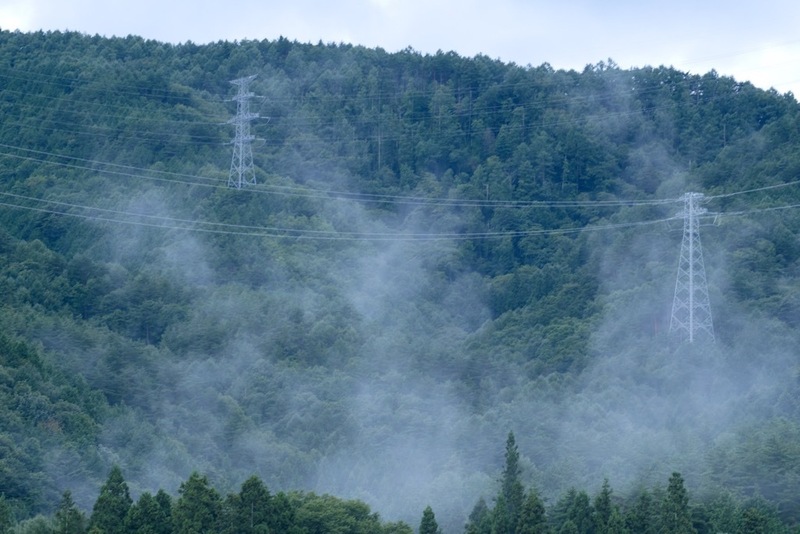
(438, 250)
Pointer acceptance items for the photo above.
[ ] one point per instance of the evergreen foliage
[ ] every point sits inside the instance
(198, 508)
(439, 248)
(675, 514)
(112, 505)
(428, 524)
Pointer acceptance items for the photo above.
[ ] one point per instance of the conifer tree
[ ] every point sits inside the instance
(602, 508)
(198, 508)
(147, 516)
(501, 520)
(580, 513)
(480, 520)
(69, 520)
(112, 505)
(676, 517)
(616, 523)
(251, 509)
(428, 524)
(532, 518)
(641, 517)
(6, 515)
(512, 490)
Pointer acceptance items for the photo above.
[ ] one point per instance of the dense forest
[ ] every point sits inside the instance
(438, 250)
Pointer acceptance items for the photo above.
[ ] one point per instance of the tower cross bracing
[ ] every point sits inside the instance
(242, 170)
(691, 308)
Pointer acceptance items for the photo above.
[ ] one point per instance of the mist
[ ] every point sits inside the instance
(248, 379)
(357, 348)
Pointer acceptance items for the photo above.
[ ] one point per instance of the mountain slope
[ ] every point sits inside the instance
(438, 249)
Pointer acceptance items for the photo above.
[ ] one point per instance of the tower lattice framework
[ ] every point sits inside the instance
(691, 308)
(242, 170)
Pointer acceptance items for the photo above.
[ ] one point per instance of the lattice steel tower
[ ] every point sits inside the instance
(242, 171)
(691, 309)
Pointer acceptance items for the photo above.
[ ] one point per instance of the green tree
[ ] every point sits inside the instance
(6, 515)
(148, 516)
(676, 518)
(480, 519)
(198, 508)
(112, 505)
(580, 513)
(532, 518)
(68, 518)
(511, 489)
(501, 520)
(753, 521)
(250, 510)
(284, 514)
(641, 517)
(428, 525)
(616, 523)
(35, 525)
(602, 508)
(575, 509)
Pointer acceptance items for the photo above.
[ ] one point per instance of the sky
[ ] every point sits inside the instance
(756, 41)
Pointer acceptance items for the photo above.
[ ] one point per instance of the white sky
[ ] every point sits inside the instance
(752, 40)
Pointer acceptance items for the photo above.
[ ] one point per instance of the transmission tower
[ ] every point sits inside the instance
(691, 309)
(242, 171)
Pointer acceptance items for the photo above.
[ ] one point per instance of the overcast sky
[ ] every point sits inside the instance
(753, 40)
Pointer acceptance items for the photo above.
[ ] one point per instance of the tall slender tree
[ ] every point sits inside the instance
(676, 518)
(69, 519)
(147, 516)
(511, 490)
(428, 525)
(532, 518)
(480, 519)
(112, 505)
(198, 508)
(602, 508)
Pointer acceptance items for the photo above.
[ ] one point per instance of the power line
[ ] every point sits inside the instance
(756, 190)
(191, 179)
(172, 223)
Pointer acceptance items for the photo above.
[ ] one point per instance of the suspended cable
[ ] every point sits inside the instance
(190, 179)
(171, 223)
(756, 190)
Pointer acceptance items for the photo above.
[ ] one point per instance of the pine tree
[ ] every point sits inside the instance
(512, 490)
(480, 519)
(198, 508)
(501, 520)
(112, 505)
(532, 518)
(616, 523)
(69, 520)
(676, 517)
(148, 516)
(640, 517)
(251, 509)
(580, 513)
(6, 515)
(603, 508)
(428, 524)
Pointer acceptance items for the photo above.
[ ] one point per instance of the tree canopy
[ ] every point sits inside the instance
(437, 249)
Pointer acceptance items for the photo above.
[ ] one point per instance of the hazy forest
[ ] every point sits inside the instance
(444, 305)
